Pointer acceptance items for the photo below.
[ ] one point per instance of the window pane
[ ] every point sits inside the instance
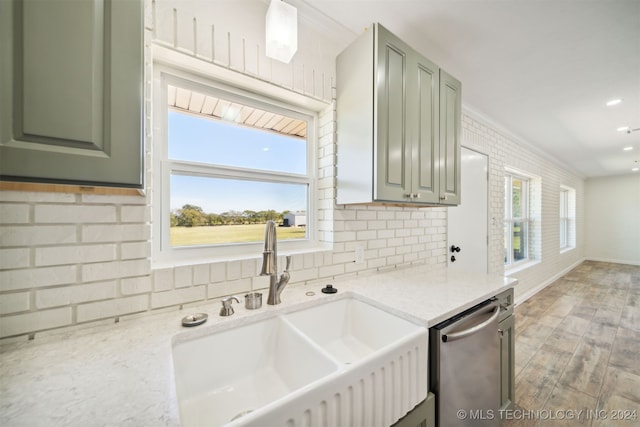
(519, 241)
(207, 211)
(219, 132)
(507, 189)
(563, 233)
(507, 237)
(517, 194)
(564, 197)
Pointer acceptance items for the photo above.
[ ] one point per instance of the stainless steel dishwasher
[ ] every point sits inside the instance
(464, 367)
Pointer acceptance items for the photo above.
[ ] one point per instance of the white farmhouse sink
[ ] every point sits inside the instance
(231, 373)
(349, 329)
(340, 362)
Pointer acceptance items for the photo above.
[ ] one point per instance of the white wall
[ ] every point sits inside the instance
(613, 219)
(71, 259)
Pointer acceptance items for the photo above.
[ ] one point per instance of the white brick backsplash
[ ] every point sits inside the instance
(230, 287)
(14, 302)
(37, 277)
(163, 279)
(37, 235)
(178, 296)
(249, 268)
(116, 269)
(134, 214)
(183, 276)
(112, 308)
(234, 270)
(14, 214)
(60, 255)
(344, 236)
(363, 236)
(218, 272)
(331, 270)
(343, 257)
(135, 250)
(118, 200)
(14, 258)
(299, 276)
(135, 285)
(364, 215)
(27, 196)
(63, 214)
(35, 321)
(201, 274)
(115, 233)
(66, 295)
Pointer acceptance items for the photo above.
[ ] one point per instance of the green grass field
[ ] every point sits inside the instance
(188, 236)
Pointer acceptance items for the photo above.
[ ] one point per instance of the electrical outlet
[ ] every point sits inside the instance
(359, 255)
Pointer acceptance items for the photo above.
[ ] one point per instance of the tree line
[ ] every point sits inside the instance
(194, 216)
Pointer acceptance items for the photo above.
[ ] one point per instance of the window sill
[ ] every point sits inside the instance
(567, 249)
(171, 262)
(520, 267)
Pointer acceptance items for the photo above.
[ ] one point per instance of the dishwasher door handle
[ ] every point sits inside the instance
(472, 330)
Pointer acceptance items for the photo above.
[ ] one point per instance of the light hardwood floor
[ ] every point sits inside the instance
(578, 349)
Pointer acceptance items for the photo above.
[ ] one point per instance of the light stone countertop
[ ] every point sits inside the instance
(121, 374)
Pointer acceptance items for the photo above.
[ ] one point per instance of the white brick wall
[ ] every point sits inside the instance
(68, 259)
(504, 151)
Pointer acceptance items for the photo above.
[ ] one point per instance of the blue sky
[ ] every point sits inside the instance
(209, 141)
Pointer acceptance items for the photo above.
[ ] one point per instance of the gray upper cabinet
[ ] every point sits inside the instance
(72, 92)
(398, 138)
(450, 118)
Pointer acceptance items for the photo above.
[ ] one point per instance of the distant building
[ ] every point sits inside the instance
(295, 219)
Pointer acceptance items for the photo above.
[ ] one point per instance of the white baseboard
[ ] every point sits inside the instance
(613, 261)
(522, 298)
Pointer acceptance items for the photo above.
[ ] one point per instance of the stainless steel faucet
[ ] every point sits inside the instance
(270, 264)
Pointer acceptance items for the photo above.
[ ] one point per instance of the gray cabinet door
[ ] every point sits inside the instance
(72, 92)
(423, 129)
(392, 173)
(507, 362)
(450, 117)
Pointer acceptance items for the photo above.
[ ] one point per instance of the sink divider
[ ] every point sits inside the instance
(340, 366)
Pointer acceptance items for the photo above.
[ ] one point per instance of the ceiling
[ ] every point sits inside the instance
(541, 70)
(202, 105)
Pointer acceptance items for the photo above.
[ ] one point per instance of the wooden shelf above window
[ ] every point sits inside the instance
(68, 188)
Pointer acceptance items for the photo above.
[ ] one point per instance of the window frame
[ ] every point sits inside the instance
(569, 220)
(509, 220)
(564, 218)
(163, 167)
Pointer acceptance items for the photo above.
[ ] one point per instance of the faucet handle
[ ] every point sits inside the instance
(227, 309)
(288, 258)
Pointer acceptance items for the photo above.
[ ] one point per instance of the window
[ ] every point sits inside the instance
(516, 219)
(567, 218)
(564, 218)
(229, 162)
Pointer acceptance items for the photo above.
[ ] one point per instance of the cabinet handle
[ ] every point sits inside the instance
(416, 196)
(408, 196)
(443, 197)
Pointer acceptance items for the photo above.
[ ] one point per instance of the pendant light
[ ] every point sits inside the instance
(281, 31)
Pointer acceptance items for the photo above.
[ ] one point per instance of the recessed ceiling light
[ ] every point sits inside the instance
(614, 102)
(623, 128)
(628, 148)
(635, 169)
